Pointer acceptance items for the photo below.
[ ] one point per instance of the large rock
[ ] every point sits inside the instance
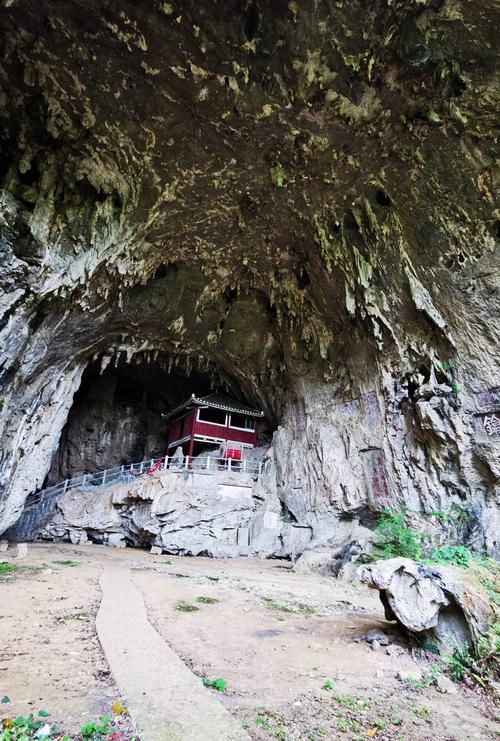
(441, 602)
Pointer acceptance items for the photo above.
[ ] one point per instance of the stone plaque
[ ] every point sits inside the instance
(376, 473)
(349, 409)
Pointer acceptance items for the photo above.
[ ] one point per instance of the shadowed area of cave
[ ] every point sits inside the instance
(118, 413)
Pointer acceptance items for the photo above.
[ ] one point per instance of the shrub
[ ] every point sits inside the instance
(393, 538)
(456, 555)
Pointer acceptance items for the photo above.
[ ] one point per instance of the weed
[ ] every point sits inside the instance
(277, 176)
(380, 723)
(96, 729)
(213, 578)
(207, 600)
(218, 684)
(167, 562)
(346, 701)
(65, 562)
(263, 722)
(295, 609)
(456, 555)
(20, 728)
(458, 514)
(7, 568)
(183, 606)
(421, 713)
(328, 685)
(393, 538)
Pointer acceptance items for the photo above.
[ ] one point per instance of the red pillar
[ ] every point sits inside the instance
(191, 445)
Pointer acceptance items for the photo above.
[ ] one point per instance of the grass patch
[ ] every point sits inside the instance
(218, 684)
(7, 568)
(298, 608)
(213, 578)
(65, 562)
(207, 600)
(183, 606)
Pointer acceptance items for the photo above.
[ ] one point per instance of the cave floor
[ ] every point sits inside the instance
(289, 646)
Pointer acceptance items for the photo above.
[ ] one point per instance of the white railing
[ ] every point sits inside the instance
(132, 471)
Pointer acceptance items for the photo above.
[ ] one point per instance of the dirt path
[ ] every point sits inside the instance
(289, 646)
(165, 699)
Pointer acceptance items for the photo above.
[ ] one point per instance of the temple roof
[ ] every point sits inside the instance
(217, 401)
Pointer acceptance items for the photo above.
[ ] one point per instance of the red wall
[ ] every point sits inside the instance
(209, 430)
(226, 433)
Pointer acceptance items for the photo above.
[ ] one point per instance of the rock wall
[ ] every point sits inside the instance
(297, 201)
(198, 513)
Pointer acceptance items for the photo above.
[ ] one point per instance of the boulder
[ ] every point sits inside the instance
(445, 685)
(117, 540)
(440, 602)
(374, 634)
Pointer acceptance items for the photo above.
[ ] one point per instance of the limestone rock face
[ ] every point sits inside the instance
(439, 601)
(293, 201)
(185, 514)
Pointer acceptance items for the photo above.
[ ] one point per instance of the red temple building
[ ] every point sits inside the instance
(213, 421)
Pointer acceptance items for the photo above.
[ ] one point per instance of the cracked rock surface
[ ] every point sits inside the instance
(295, 199)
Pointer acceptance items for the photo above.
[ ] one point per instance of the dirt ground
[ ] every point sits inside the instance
(289, 646)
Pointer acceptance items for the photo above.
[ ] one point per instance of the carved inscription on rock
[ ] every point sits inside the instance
(376, 472)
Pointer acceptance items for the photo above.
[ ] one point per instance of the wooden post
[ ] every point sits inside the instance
(191, 445)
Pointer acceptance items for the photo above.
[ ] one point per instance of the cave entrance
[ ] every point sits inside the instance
(122, 415)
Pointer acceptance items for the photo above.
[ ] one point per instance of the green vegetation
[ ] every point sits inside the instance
(96, 729)
(218, 684)
(277, 176)
(298, 608)
(24, 728)
(476, 667)
(393, 538)
(207, 600)
(20, 728)
(7, 568)
(328, 685)
(456, 555)
(65, 562)
(183, 606)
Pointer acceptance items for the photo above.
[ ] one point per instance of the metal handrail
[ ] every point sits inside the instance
(130, 472)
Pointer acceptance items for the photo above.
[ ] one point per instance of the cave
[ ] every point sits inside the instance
(295, 204)
(119, 414)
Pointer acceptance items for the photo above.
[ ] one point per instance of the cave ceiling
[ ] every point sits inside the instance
(259, 184)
